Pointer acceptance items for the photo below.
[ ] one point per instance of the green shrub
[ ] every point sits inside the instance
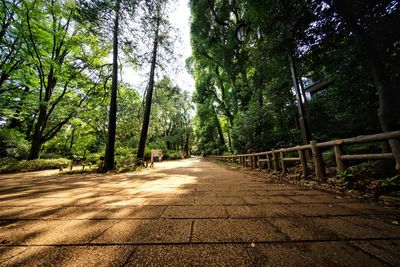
(173, 155)
(11, 165)
(94, 158)
(125, 163)
(13, 144)
(124, 151)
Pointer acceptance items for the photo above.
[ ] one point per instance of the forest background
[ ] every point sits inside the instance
(56, 58)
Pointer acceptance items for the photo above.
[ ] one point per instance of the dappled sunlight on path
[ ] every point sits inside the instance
(188, 212)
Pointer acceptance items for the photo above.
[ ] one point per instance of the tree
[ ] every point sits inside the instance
(65, 72)
(242, 82)
(363, 18)
(112, 121)
(155, 14)
(98, 12)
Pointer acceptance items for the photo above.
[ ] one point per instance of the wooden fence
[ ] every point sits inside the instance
(277, 159)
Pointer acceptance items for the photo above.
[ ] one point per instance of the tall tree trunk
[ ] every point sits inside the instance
(112, 119)
(37, 137)
(71, 144)
(229, 139)
(186, 146)
(303, 120)
(388, 93)
(219, 128)
(149, 96)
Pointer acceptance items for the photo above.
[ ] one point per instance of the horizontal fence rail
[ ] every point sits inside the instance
(277, 159)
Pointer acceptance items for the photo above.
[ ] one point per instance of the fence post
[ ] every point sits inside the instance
(338, 155)
(268, 163)
(303, 161)
(395, 148)
(274, 161)
(283, 163)
(318, 163)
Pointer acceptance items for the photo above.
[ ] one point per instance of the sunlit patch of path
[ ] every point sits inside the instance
(188, 212)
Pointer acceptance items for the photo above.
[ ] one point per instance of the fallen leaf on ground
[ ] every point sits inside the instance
(253, 245)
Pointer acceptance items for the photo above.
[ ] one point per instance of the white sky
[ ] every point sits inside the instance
(180, 19)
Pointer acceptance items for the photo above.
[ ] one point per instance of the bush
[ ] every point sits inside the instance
(171, 154)
(94, 158)
(11, 165)
(125, 163)
(13, 144)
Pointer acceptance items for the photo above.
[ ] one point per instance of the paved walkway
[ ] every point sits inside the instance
(187, 213)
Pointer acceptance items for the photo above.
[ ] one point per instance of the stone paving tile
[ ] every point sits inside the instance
(382, 249)
(231, 201)
(78, 213)
(205, 194)
(236, 193)
(330, 228)
(288, 192)
(298, 228)
(267, 200)
(187, 212)
(219, 201)
(258, 211)
(131, 212)
(7, 253)
(259, 186)
(26, 212)
(128, 202)
(311, 254)
(72, 256)
(40, 232)
(382, 225)
(347, 230)
(324, 209)
(370, 209)
(169, 201)
(326, 198)
(234, 230)
(61, 202)
(202, 201)
(190, 255)
(146, 231)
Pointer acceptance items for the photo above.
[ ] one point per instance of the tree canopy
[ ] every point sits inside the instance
(62, 93)
(244, 92)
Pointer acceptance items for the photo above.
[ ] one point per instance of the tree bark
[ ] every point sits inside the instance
(112, 119)
(149, 96)
(37, 137)
(219, 128)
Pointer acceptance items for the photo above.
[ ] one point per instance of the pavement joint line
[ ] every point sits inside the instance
(1, 261)
(227, 213)
(191, 231)
(203, 218)
(111, 205)
(105, 230)
(277, 242)
(360, 224)
(162, 213)
(369, 253)
(129, 257)
(277, 229)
